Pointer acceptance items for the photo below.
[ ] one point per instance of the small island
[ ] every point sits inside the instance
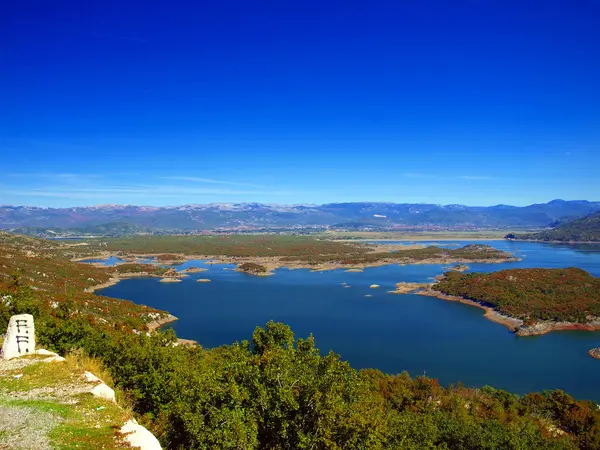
(529, 301)
(408, 288)
(457, 268)
(595, 353)
(254, 269)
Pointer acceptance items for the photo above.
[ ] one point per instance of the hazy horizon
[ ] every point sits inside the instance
(176, 205)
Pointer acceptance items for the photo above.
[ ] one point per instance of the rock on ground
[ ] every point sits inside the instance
(139, 437)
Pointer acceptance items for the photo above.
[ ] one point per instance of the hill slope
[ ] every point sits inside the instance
(586, 229)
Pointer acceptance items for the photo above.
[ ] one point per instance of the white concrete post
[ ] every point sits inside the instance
(20, 337)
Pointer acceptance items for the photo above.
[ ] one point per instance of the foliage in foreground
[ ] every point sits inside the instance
(280, 392)
(570, 294)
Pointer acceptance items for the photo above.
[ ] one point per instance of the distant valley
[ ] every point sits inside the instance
(128, 219)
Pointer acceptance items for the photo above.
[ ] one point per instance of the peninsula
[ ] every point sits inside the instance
(586, 229)
(529, 301)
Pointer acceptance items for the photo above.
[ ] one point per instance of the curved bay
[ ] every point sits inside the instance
(448, 341)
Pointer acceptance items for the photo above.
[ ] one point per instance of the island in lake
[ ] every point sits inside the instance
(294, 252)
(529, 301)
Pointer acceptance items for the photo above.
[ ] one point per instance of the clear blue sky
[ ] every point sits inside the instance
(476, 102)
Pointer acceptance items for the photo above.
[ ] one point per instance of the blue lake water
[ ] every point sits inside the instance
(448, 341)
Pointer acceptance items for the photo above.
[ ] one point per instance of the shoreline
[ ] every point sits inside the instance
(421, 239)
(512, 323)
(156, 324)
(275, 262)
(553, 242)
(124, 276)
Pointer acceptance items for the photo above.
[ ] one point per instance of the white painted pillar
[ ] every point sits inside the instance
(20, 337)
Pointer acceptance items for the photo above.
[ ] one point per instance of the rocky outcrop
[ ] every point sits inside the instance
(406, 288)
(170, 280)
(544, 327)
(139, 437)
(193, 270)
(595, 353)
(101, 389)
(202, 280)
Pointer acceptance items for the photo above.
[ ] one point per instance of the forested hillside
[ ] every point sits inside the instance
(586, 229)
(530, 294)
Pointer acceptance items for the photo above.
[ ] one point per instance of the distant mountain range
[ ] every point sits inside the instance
(124, 219)
(586, 229)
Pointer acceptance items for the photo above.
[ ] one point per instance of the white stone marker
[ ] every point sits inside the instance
(20, 337)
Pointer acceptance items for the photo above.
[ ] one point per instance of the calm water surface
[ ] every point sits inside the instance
(445, 340)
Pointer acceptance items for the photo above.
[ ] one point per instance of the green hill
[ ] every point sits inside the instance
(586, 229)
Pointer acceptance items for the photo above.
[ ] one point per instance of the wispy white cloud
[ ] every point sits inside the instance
(111, 187)
(475, 177)
(208, 180)
(134, 191)
(56, 176)
(418, 175)
(431, 175)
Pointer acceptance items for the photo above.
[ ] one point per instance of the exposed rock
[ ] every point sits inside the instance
(374, 286)
(139, 437)
(194, 270)
(595, 353)
(406, 288)
(101, 390)
(53, 357)
(91, 378)
(202, 280)
(170, 280)
(544, 327)
(354, 270)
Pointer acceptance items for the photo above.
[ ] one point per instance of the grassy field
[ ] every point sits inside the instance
(416, 236)
(231, 245)
(301, 249)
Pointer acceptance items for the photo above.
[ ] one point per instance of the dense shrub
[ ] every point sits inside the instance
(277, 391)
(536, 294)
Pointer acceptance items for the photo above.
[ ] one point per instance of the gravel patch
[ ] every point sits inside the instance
(25, 428)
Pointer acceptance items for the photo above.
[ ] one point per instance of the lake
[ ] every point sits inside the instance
(422, 335)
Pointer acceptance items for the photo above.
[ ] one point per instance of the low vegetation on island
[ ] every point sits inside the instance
(560, 295)
(252, 268)
(302, 251)
(586, 229)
